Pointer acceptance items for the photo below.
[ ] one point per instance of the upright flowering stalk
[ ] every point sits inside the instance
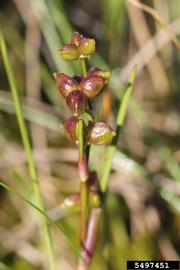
(79, 91)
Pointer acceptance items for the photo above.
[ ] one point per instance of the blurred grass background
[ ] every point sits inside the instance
(144, 189)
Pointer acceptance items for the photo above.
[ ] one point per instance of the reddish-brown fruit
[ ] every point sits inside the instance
(77, 102)
(100, 133)
(100, 73)
(91, 86)
(69, 52)
(65, 84)
(76, 38)
(70, 127)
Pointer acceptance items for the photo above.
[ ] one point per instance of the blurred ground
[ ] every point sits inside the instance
(144, 188)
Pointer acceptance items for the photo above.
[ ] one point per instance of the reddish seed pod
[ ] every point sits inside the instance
(69, 52)
(100, 133)
(77, 102)
(105, 74)
(70, 127)
(76, 38)
(91, 86)
(65, 84)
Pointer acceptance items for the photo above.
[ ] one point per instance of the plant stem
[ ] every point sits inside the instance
(28, 150)
(84, 211)
(92, 232)
(83, 66)
(119, 123)
(84, 174)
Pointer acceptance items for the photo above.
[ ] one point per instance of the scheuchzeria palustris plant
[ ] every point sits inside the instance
(80, 93)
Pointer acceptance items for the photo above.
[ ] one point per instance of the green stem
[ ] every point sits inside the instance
(84, 212)
(83, 172)
(119, 123)
(28, 150)
(83, 66)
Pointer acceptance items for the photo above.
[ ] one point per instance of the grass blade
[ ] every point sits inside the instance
(39, 117)
(60, 228)
(119, 123)
(26, 142)
(158, 19)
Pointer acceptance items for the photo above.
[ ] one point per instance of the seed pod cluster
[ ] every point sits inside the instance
(79, 91)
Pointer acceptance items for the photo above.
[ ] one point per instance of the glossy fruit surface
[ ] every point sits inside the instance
(105, 74)
(100, 133)
(91, 86)
(70, 127)
(65, 84)
(77, 102)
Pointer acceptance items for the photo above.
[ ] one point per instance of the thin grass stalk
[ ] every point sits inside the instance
(84, 174)
(119, 123)
(111, 151)
(26, 142)
(158, 19)
(50, 221)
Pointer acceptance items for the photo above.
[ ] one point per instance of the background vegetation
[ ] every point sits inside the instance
(143, 202)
